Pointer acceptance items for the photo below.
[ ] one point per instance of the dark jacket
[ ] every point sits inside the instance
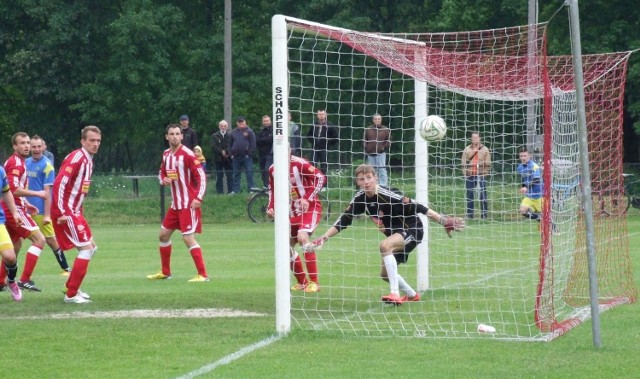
(323, 136)
(189, 138)
(243, 142)
(264, 141)
(220, 143)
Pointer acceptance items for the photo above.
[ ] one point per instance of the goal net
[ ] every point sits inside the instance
(526, 278)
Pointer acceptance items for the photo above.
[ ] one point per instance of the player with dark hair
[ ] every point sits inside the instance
(531, 186)
(16, 171)
(71, 186)
(397, 217)
(306, 181)
(182, 171)
(41, 177)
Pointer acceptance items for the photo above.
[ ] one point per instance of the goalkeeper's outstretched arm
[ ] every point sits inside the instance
(449, 223)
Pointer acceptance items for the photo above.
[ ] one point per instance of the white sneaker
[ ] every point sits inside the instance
(77, 299)
(83, 295)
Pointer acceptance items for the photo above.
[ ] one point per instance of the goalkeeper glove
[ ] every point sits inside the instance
(316, 244)
(451, 223)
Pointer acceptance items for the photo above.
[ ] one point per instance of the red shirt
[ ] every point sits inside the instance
(72, 184)
(305, 181)
(17, 177)
(188, 178)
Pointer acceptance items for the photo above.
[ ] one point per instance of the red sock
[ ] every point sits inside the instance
(165, 259)
(298, 271)
(312, 266)
(30, 263)
(3, 274)
(196, 254)
(77, 276)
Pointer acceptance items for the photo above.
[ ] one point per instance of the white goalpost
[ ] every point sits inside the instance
(527, 279)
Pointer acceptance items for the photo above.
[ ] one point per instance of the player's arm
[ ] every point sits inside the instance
(46, 218)
(201, 182)
(346, 218)
(449, 223)
(8, 199)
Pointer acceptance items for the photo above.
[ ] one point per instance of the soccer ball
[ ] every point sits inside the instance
(433, 128)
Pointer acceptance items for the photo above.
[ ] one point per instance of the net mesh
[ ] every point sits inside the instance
(527, 279)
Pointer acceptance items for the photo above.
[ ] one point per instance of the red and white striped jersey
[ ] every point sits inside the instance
(188, 179)
(305, 182)
(17, 176)
(72, 184)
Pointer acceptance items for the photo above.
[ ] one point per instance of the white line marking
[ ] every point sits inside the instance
(144, 313)
(232, 357)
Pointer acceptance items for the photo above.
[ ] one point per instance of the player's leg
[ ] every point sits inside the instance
(295, 263)
(190, 224)
(528, 209)
(10, 265)
(308, 222)
(86, 250)
(50, 239)
(31, 259)
(169, 224)
(389, 271)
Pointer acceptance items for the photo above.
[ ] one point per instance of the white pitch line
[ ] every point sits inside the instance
(231, 357)
(144, 313)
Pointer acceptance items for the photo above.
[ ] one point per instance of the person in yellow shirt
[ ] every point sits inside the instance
(476, 165)
(198, 152)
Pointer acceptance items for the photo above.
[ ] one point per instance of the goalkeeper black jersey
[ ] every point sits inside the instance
(392, 210)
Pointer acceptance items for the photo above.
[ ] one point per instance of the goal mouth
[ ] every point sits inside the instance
(523, 273)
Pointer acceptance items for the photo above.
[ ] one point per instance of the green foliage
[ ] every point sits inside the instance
(133, 66)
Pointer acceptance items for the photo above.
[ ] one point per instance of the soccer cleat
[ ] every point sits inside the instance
(29, 285)
(406, 298)
(298, 287)
(159, 275)
(4, 287)
(312, 287)
(79, 293)
(65, 273)
(16, 293)
(199, 278)
(392, 299)
(77, 299)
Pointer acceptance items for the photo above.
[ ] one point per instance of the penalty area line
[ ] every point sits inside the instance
(232, 357)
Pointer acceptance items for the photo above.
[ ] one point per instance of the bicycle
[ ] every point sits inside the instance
(258, 202)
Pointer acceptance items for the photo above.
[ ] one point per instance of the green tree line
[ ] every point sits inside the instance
(133, 66)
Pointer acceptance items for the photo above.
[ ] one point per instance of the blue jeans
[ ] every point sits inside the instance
(471, 183)
(379, 163)
(242, 163)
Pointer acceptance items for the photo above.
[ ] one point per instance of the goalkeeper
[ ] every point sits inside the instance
(397, 217)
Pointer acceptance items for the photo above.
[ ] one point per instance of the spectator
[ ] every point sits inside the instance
(264, 143)
(220, 143)
(323, 135)
(187, 180)
(377, 139)
(295, 138)
(476, 164)
(189, 136)
(243, 146)
(203, 161)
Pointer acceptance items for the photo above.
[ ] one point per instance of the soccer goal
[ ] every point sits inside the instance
(528, 279)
